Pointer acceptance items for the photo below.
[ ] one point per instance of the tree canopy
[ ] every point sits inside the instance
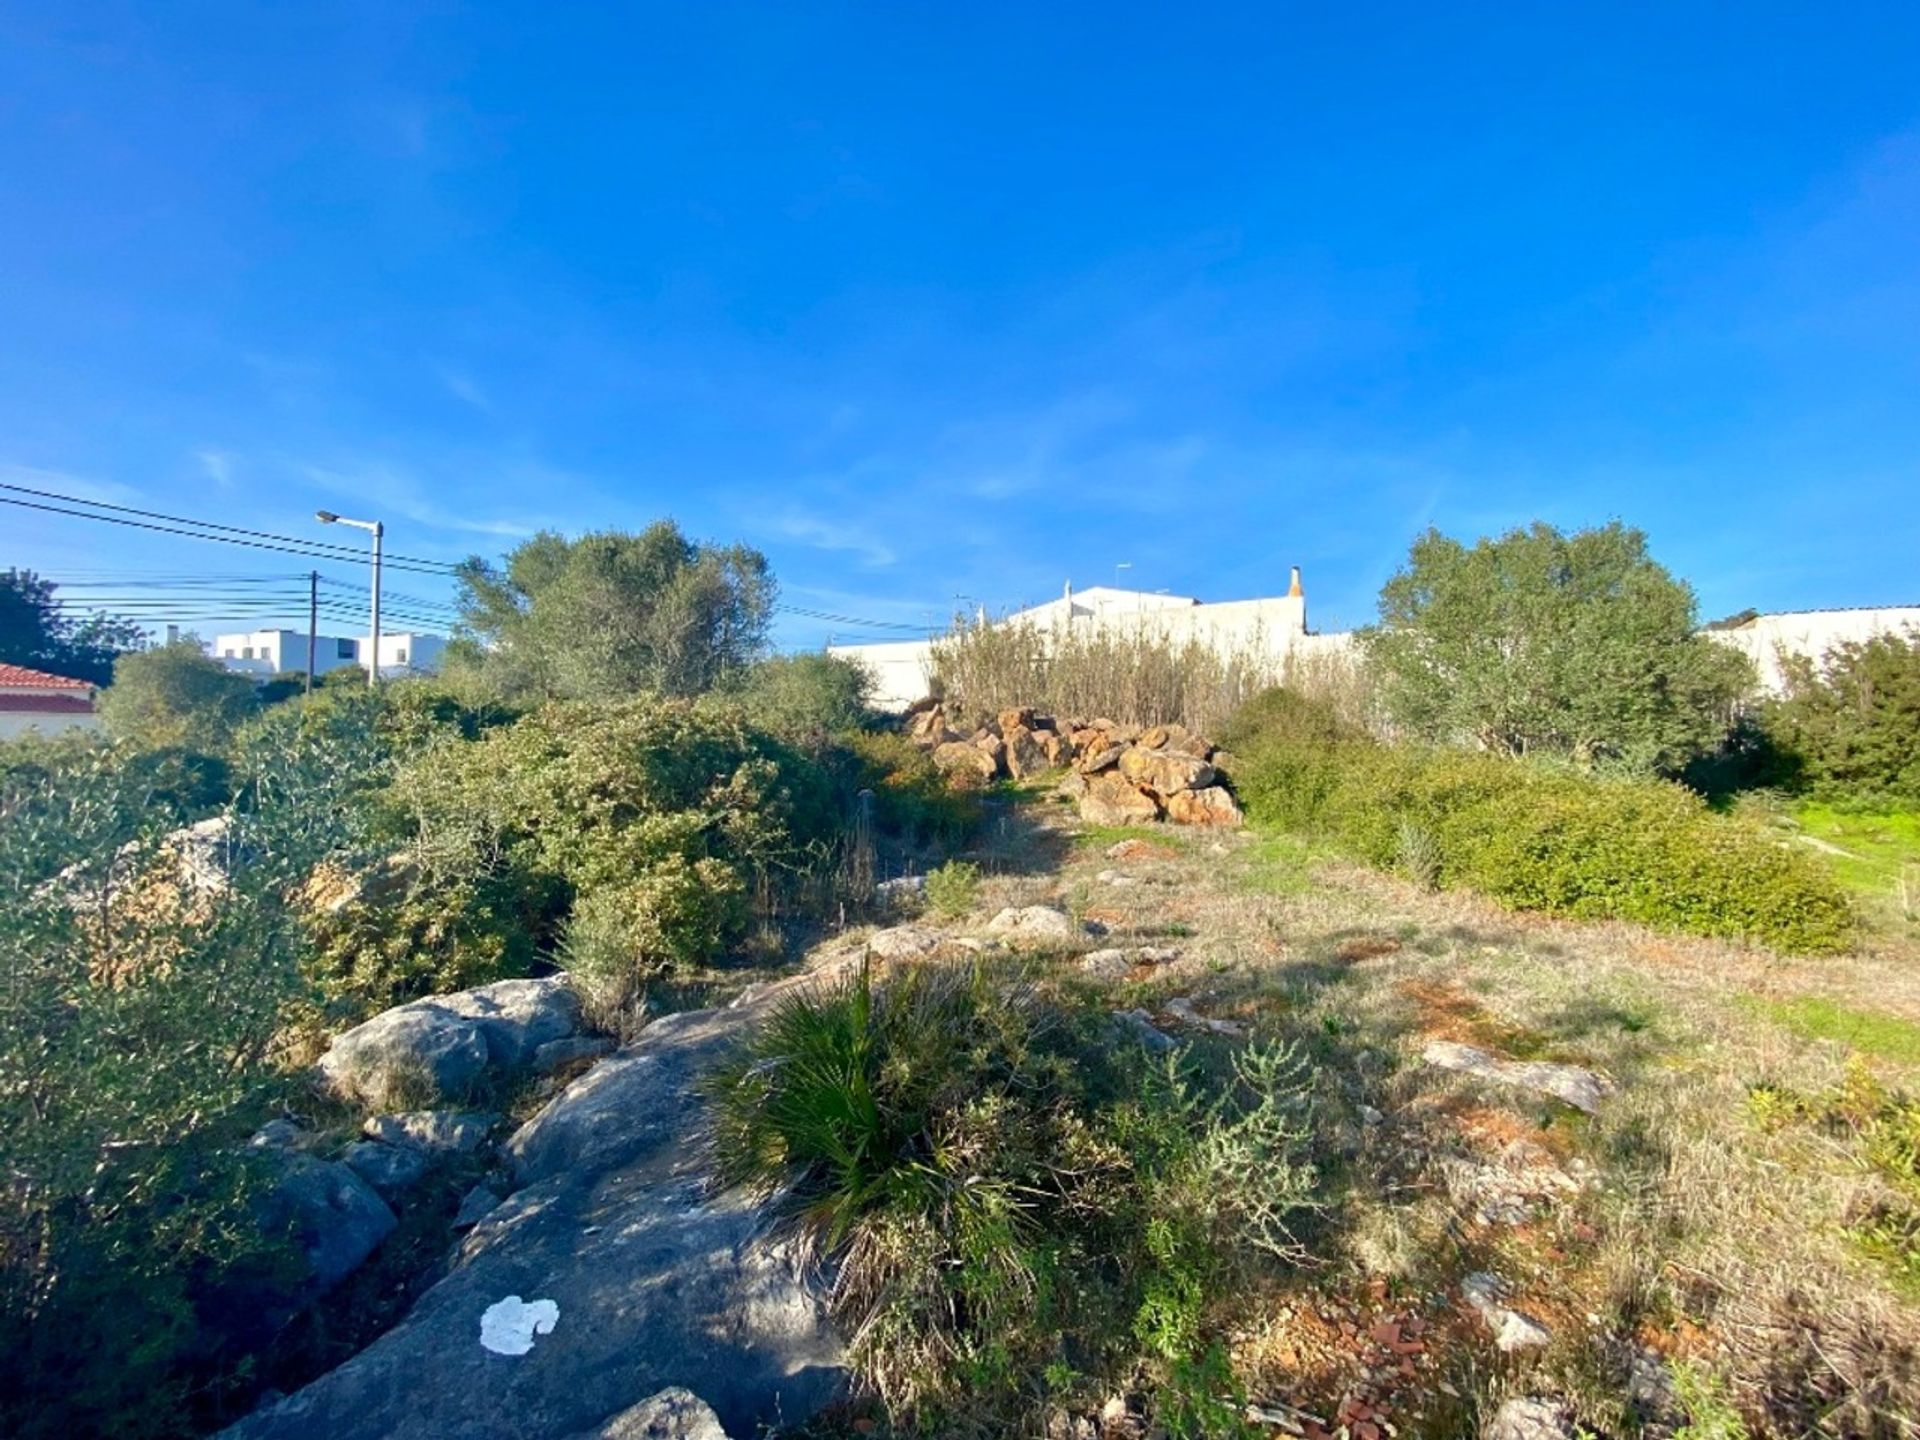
(1850, 721)
(35, 632)
(612, 613)
(1578, 645)
(176, 696)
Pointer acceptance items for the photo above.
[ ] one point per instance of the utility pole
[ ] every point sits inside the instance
(313, 622)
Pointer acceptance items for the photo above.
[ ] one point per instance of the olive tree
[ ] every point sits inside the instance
(176, 696)
(1539, 642)
(610, 614)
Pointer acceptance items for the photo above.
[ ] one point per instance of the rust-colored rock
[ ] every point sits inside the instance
(1101, 757)
(1165, 772)
(1019, 718)
(1024, 754)
(1210, 806)
(1111, 799)
(1059, 748)
(958, 756)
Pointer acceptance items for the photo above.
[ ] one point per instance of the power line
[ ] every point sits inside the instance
(291, 545)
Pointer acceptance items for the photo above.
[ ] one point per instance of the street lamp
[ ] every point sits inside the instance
(375, 529)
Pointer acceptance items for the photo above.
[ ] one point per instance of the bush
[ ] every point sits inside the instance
(806, 699)
(1126, 674)
(1009, 1197)
(952, 888)
(175, 696)
(1533, 835)
(1851, 722)
(912, 799)
(140, 1015)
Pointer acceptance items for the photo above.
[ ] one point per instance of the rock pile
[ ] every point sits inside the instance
(1119, 774)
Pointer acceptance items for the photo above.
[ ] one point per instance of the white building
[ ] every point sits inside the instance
(409, 652)
(266, 653)
(1767, 639)
(32, 702)
(1273, 628)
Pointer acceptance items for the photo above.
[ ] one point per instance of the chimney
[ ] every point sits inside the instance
(1294, 592)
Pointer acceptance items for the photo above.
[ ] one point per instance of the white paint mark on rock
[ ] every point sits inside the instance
(508, 1326)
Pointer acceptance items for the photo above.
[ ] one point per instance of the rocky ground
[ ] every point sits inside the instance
(1550, 1203)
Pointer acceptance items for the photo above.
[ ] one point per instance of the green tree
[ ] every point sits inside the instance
(806, 698)
(36, 633)
(176, 695)
(1850, 721)
(612, 613)
(1578, 645)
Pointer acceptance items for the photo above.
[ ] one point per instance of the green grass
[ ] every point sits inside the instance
(1878, 845)
(1101, 836)
(1886, 1037)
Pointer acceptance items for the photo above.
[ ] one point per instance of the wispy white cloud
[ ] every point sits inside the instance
(824, 534)
(66, 482)
(464, 388)
(217, 466)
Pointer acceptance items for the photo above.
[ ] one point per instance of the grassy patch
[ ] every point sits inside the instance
(1879, 846)
(1886, 1037)
(1101, 836)
(1278, 864)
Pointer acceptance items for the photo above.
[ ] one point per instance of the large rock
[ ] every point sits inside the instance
(1024, 753)
(1529, 1418)
(1165, 772)
(444, 1046)
(333, 1217)
(1176, 738)
(1569, 1084)
(958, 756)
(642, 1277)
(389, 1169)
(904, 942)
(1211, 806)
(1111, 799)
(1098, 754)
(673, 1414)
(1034, 927)
(440, 1132)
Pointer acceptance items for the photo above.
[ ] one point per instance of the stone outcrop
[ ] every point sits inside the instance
(445, 1046)
(334, 1217)
(1117, 774)
(633, 1276)
(1568, 1084)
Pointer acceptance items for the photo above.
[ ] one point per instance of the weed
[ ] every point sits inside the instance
(953, 888)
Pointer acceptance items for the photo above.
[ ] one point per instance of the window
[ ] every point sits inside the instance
(247, 654)
(345, 650)
(230, 655)
(401, 657)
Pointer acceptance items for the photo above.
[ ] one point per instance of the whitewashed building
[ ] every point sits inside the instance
(265, 653)
(1768, 639)
(1275, 628)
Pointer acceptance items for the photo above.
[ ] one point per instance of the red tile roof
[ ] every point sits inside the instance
(20, 676)
(16, 704)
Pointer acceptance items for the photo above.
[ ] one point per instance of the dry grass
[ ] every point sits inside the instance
(1700, 1234)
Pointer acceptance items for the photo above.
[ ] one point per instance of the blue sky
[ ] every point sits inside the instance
(947, 301)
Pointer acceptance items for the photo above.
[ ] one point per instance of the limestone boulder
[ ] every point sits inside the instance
(1568, 1084)
(389, 1169)
(644, 1278)
(333, 1217)
(960, 757)
(1213, 805)
(1164, 772)
(1024, 753)
(436, 1132)
(1111, 799)
(448, 1045)
(1102, 754)
(903, 942)
(1034, 927)
(673, 1414)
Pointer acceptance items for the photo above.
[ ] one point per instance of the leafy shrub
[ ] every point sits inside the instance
(139, 1019)
(912, 799)
(1008, 1195)
(1851, 721)
(951, 889)
(806, 699)
(1536, 836)
(175, 695)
